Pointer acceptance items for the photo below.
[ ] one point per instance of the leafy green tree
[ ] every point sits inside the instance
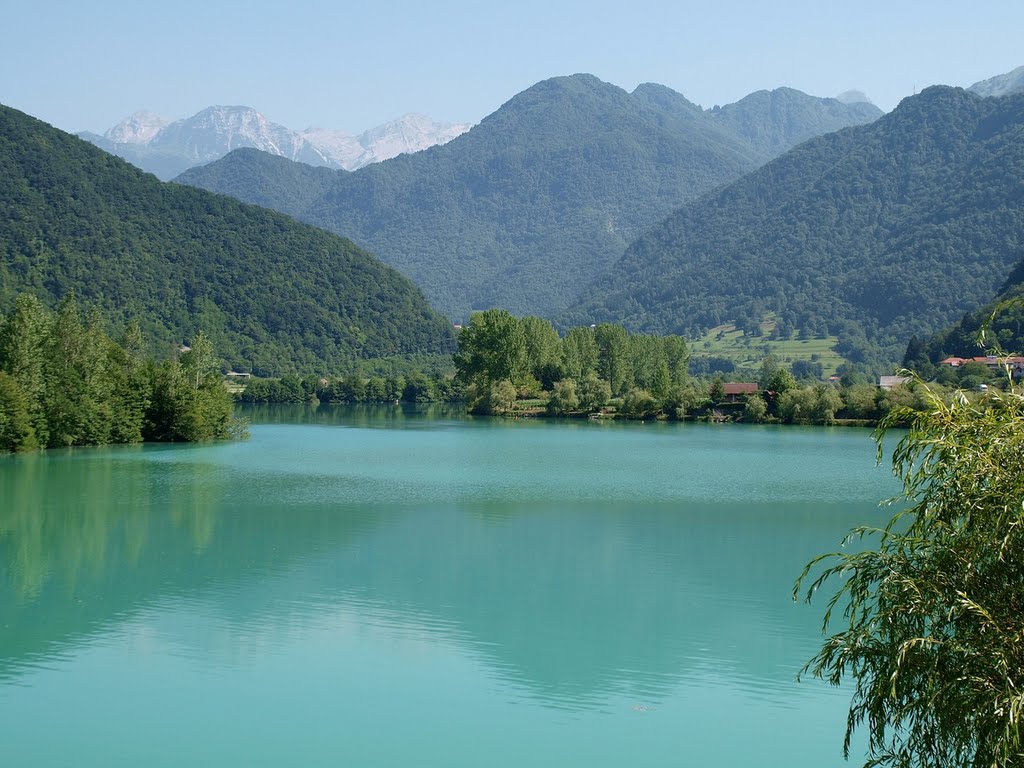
(640, 404)
(542, 350)
(501, 397)
(931, 630)
(189, 401)
(491, 348)
(130, 387)
(781, 381)
(77, 396)
(717, 390)
(613, 356)
(677, 355)
(594, 392)
(376, 390)
(827, 401)
(418, 389)
(860, 400)
(199, 363)
(769, 367)
(649, 363)
(24, 340)
(579, 353)
(563, 398)
(755, 410)
(806, 369)
(16, 432)
(809, 405)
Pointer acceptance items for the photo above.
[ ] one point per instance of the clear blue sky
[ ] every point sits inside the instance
(353, 65)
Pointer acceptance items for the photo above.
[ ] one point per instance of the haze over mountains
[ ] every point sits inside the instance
(1001, 85)
(542, 195)
(271, 293)
(167, 148)
(873, 233)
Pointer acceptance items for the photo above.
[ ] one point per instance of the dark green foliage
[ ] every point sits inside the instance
(580, 372)
(872, 233)
(491, 348)
(564, 399)
(181, 411)
(997, 325)
(418, 389)
(755, 410)
(806, 369)
(272, 294)
(64, 382)
(640, 404)
(16, 431)
(531, 203)
(811, 405)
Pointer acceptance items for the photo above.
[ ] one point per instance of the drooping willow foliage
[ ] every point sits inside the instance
(929, 626)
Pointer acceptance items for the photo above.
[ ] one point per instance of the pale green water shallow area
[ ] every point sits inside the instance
(367, 588)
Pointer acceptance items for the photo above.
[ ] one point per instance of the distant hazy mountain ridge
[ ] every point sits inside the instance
(774, 121)
(139, 128)
(168, 148)
(524, 209)
(1001, 85)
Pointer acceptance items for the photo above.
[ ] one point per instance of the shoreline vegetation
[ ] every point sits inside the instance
(521, 368)
(64, 382)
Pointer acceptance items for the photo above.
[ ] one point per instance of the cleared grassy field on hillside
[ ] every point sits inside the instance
(745, 351)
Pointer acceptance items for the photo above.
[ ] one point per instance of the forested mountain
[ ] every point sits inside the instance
(773, 122)
(1003, 319)
(166, 148)
(873, 233)
(269, 292)
(543, 194)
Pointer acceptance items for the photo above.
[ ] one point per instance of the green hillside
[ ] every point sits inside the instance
(524, 209)
(272, 294)
(871, 234)
(1002, 320)
(772, 122)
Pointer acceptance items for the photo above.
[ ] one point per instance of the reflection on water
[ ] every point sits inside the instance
(433, 582)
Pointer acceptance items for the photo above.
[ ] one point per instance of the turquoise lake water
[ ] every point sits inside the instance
(374, 588)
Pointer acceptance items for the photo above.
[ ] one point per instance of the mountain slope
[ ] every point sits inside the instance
(271, 293)
(775, 121)
(1001, 85)
(873, 233)
(528, 205)
(1003, 318)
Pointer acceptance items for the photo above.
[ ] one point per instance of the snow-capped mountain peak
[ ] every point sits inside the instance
(168, 148)
(139, 128)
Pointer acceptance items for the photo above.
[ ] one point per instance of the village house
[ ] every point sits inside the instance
(994, 363)
(737, 391)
